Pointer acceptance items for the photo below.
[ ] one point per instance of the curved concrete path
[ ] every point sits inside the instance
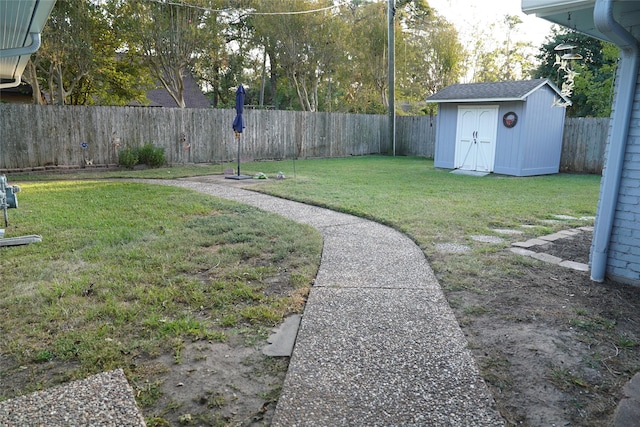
(378, 344)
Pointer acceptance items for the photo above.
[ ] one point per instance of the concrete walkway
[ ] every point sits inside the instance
(378, 344)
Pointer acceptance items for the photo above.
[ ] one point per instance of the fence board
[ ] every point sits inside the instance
(35, 136)
(583, 145)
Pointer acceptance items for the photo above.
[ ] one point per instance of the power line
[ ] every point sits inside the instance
(207, 9)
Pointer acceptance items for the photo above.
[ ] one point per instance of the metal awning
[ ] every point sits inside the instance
(21, 22)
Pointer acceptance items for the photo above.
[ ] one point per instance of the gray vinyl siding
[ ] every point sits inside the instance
(510, 140)
(445, 148)
(543, 134)
(623, 262)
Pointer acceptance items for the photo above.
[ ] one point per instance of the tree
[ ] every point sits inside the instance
(170, 35)
(510, 60)
(303, 46)
(593, 83)
(429, 54)
(78, 61)
(366, 79)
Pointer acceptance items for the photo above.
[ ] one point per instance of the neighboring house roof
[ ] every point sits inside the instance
(492, 91)
(21, 23)
(193, 96)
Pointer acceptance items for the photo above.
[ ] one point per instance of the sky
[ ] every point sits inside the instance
(467, 14)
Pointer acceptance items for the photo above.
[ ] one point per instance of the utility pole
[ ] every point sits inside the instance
(392, 71)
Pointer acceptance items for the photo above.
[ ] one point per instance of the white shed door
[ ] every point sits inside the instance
(476, 138)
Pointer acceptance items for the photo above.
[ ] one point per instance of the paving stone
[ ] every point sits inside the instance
(587, 218)
(522, 251)
(553, 237)
(487, 239)
(282, 341)
(586, 228)
(628, 411)
(574, 265)
(530, 243)
(507, 231)
(570, 232)
(564, 217)
(547, 258)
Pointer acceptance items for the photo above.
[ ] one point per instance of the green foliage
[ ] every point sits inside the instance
(112, 52)
(128, 158)
(148, 154)
(491, 59)
(152, 156)
(80, 60)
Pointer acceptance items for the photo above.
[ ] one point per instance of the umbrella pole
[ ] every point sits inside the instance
(238, 140)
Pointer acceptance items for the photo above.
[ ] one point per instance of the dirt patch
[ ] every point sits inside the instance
(554, 347)
(572, 248)
(216, 384)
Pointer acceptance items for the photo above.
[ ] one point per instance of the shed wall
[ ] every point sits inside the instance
(510, 141)
(532, 147)
(541, 153)
(445, 148)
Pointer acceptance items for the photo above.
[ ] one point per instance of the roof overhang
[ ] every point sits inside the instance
(522, 98)
(578, 14)
(21, 22)
(468, 100)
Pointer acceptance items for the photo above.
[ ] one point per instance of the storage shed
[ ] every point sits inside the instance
(512, 128)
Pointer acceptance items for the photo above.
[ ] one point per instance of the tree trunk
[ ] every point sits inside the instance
(31, 78)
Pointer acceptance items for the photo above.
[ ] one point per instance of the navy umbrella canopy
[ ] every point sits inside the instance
(238, 122)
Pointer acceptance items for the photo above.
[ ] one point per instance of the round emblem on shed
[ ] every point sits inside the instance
(510, 119)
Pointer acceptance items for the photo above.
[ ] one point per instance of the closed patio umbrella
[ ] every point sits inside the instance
(238, 126)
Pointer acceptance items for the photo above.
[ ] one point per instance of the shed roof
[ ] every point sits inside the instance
(493, 91)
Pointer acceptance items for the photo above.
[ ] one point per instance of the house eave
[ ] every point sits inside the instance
(543, 8)
(578, 14)
(21, 23)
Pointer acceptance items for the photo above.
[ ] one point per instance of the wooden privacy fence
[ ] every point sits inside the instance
(583, 145)
(33, 136)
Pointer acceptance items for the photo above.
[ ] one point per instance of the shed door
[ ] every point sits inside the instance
(476, 138)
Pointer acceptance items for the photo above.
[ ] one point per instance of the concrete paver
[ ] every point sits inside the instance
(284, 338)
(530, 243)
(551, 259)
(578, 266)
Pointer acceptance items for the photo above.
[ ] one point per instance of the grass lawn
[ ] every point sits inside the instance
(127, 271)
(430, 204)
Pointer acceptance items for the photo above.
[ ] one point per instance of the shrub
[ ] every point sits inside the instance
(152, 156)
(128, 158)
